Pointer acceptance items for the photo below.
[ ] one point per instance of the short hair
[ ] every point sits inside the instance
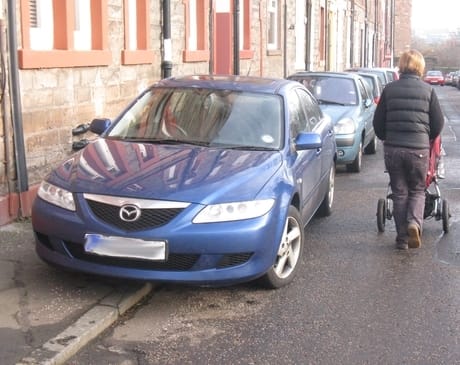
(412, 62)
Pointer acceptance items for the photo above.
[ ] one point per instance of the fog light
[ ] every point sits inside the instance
(340, 153)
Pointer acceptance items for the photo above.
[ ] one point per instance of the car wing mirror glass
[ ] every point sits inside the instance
(99, 125)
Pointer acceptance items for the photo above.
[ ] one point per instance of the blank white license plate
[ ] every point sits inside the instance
(125, 247)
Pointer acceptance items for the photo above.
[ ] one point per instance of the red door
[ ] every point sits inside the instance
(222, 38)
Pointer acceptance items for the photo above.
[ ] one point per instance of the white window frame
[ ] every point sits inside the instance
(193, 31)
(82, 31)
(41, 36)
(132, 21)
(272, 25)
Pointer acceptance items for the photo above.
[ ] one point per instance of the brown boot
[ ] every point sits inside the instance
(414, 235)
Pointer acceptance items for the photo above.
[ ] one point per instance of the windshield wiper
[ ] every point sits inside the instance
(247, 148)
(322, 101)
(165, 141)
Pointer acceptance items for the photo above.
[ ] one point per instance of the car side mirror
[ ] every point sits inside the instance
(99, 125)
(368, 103)
(308, 141)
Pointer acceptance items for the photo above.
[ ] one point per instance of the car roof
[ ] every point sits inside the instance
(324, 73)
(228, 82)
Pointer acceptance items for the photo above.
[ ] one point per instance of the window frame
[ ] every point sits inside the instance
(245, 30)
(142, 53)
(201, 21)
(63, 53)
(275, 46)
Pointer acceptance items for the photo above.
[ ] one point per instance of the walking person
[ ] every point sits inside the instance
(407, 118)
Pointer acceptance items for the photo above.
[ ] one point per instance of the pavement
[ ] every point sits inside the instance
(47, 314)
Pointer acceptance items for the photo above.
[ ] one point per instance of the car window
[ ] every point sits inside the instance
(297, 115)
(204, 116)
(331, 89)
(369, 84)
(363, 91)
(311, 109)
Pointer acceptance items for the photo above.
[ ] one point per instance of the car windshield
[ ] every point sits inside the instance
(434, 73)
(203, 116)
(333, 90)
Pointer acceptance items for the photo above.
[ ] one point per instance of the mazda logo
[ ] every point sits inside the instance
(130, 213)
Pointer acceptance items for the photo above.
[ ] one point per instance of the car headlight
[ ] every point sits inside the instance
(345, 126)
(56, 195)
(234, 211)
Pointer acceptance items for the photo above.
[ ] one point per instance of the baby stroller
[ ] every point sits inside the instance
(435, 206)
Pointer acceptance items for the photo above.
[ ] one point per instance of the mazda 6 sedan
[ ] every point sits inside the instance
(205, 180)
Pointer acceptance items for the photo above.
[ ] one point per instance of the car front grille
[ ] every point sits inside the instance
(150, 218)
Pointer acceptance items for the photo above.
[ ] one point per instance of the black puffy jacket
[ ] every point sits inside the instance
(408, 113)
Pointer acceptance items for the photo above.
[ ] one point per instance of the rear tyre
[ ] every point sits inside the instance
(289, 253)
(381, 214)
(445, 214)
(325, 209)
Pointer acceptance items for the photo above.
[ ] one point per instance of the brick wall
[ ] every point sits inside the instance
(403, 38)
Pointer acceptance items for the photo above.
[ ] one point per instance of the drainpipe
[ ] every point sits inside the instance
(393, 5)
(18, 137)
(166, 64)
(352, 34)
(285, 41)
(236, 37)
(9, 155)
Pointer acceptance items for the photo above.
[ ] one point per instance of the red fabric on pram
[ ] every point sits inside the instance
(435, 155)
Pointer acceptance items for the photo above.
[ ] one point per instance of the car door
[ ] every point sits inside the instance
(367, 112)
(307, 163)
(319, 123)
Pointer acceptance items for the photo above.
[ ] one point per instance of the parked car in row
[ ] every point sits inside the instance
(374, 83)
(382, 74)
(345, 97)
(455, 78)
(203, 179)
(434, 77)
(448, 78)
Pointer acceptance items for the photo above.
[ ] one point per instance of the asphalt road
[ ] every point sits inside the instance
(356, 299)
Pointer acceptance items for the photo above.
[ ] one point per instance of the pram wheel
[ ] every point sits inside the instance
(445, 215)
(381, 214)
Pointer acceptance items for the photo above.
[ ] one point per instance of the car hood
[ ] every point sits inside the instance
(167, 172)
(338, 112)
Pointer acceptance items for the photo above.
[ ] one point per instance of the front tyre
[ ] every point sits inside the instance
(356, 165)
(289, 253)
(371, 148)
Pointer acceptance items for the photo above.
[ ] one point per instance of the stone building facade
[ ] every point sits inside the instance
(65, 62)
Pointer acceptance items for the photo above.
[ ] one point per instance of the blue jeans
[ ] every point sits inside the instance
(407, 169)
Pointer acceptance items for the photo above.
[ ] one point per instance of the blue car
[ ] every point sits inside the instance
(346, 99)
(205, 180)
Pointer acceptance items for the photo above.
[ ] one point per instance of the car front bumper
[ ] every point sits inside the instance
(203, 254)
(347, 148)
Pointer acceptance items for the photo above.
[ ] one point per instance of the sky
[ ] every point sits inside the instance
(435, 14)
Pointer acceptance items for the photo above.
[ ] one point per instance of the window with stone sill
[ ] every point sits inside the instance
(245, 29)
(273, 26)
(55, 33)
(137, 33)
(196, 31)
